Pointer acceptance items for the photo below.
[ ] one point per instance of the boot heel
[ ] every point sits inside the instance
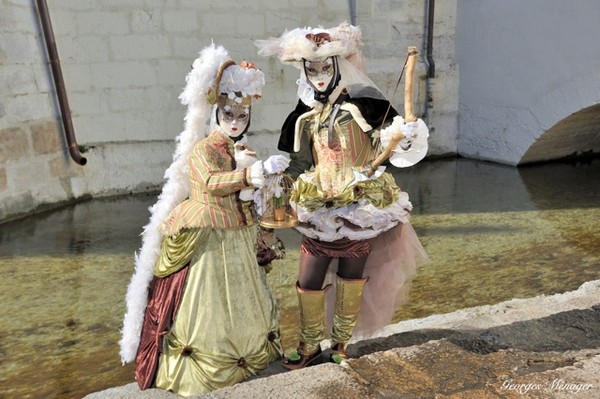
(303, 360)
(338, 354)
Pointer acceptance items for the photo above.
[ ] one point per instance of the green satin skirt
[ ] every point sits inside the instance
(226, 328)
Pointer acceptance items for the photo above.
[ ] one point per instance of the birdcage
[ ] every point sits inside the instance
(277, 211)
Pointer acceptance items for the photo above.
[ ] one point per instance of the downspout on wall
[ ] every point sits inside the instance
(59, 83)
(430, 19)
(352, 7)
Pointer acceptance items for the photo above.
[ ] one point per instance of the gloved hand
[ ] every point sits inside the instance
(247, 194)
(409, 130)
(244, 157)
(257, 177)
(276, 164)
(387, 133)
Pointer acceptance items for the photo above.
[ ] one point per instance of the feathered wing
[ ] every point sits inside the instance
(175, 190)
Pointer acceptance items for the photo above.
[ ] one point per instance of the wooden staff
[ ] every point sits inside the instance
(409, 115)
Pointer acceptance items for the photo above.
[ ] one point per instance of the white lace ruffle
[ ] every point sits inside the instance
(358, 221)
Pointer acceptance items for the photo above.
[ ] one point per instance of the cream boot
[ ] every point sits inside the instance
(312, 329)
(348, 298)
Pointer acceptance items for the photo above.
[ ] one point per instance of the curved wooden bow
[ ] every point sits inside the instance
(409, 115)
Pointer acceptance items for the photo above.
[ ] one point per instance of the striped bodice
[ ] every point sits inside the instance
(214, 189)
(338, 152)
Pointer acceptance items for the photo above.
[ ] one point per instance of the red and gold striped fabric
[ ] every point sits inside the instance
(214, 189)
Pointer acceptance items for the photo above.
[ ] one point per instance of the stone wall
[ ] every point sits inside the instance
(124, 65)
(529, 79)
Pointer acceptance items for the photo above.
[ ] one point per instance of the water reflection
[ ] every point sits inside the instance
(493, 233)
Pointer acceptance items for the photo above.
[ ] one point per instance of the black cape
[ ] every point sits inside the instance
(374, 111)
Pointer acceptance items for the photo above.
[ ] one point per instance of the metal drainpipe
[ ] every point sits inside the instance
(352, 6)
(430, 15)
(59, 83)
(428, 55)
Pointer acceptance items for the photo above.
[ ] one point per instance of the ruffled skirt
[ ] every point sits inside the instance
(362, 211)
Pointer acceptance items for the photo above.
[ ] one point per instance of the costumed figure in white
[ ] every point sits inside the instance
(354, 219)
(200, 313)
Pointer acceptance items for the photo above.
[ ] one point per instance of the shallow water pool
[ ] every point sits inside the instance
(493, 233)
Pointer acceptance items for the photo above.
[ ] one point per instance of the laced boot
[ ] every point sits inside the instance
(348, 298)
(312, 329)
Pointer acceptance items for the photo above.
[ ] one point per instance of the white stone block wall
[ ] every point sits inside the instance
(124, 64)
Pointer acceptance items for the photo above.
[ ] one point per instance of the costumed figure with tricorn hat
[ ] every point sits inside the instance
(359, 251)
(200, 313)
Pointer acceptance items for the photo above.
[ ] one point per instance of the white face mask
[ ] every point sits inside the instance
(319, 73)
(233, 120)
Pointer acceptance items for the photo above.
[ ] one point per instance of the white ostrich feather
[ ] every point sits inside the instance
(293, 46)
(175, 190)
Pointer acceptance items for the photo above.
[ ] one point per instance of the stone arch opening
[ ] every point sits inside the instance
(575, 136)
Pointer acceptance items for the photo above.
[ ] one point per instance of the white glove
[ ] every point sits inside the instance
(244, 157)
(276, 164)
(247, 194)
(257, 177)
(409, 130)
(386, 134)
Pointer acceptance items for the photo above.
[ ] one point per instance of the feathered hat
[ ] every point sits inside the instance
(215, 80)
(315, 44)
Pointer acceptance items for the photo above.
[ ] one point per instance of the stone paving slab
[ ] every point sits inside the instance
(546, 347)
(441, 369)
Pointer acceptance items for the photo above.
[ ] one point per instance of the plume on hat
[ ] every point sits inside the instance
(313, 44)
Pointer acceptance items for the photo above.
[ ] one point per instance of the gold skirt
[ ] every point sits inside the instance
(226, 328)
